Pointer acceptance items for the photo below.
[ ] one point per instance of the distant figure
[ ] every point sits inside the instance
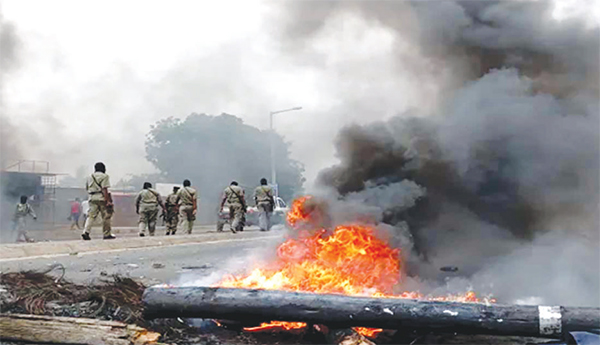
(146, 205)
(265, 203)
(172, 212)
(75, 212)
(22, 210)
(85, 208)
(234, 196)
(100, 202)
(187, 206)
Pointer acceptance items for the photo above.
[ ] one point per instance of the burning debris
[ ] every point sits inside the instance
(349, 278)
(308, 213)
(349, 259)
(337, 311)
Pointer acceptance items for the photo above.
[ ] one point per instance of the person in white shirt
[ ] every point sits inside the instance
(85, 208)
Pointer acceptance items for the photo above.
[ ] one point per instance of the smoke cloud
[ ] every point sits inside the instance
(503, 160)
(9, 46)
(9, 145)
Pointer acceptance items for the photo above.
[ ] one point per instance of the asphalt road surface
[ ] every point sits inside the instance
(190, 263)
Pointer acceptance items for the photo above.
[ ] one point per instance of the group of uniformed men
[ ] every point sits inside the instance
(234, 197)
(179, 208)
(180, 203)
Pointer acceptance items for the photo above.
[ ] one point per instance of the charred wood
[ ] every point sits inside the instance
(339, 311)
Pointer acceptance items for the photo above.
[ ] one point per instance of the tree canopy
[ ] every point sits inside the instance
(212, 151)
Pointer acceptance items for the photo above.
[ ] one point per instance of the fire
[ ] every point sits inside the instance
(350, 260)
(279, 325)
(297, 212)
(368, 332)
(308, 214)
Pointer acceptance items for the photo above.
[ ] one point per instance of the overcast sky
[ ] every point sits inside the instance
(94, 75)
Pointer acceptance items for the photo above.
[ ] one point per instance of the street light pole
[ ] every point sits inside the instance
(272, 143)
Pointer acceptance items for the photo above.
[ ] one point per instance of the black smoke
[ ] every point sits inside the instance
(505, 169)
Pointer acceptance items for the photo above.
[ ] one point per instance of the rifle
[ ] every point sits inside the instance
(242, 201)
(271, 199)
(110, 207)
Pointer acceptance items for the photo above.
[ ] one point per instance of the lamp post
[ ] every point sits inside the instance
(273, 172)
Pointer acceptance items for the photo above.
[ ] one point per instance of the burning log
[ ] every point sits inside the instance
(70, 330)
(340, 311)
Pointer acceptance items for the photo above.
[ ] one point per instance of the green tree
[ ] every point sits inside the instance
(212, 151)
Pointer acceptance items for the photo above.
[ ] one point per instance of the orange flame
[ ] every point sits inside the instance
(297, 211)
(368, 332)
(276, 325)
(351, 260)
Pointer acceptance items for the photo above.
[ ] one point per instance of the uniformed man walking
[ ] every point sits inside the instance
(146, 205)
(172, 212)
(265, 203)
(100, 202)
(22, 210)
(187, 206)
(234, 196)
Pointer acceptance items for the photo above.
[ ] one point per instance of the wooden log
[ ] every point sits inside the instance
(339, 311)
(70, 330)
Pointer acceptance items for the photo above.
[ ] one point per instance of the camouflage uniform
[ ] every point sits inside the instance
(186, 208)
(172, 216)
(21, 212)
(263, 196)
(94, 185)
(234, 195)
(148, 201)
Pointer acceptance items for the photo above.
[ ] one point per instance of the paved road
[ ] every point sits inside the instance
(66, 234)
(172, 264)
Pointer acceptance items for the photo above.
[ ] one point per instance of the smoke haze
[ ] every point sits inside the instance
(9, 45)
(473, 125)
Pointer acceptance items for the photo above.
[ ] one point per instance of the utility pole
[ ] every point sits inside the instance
(272, 143)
